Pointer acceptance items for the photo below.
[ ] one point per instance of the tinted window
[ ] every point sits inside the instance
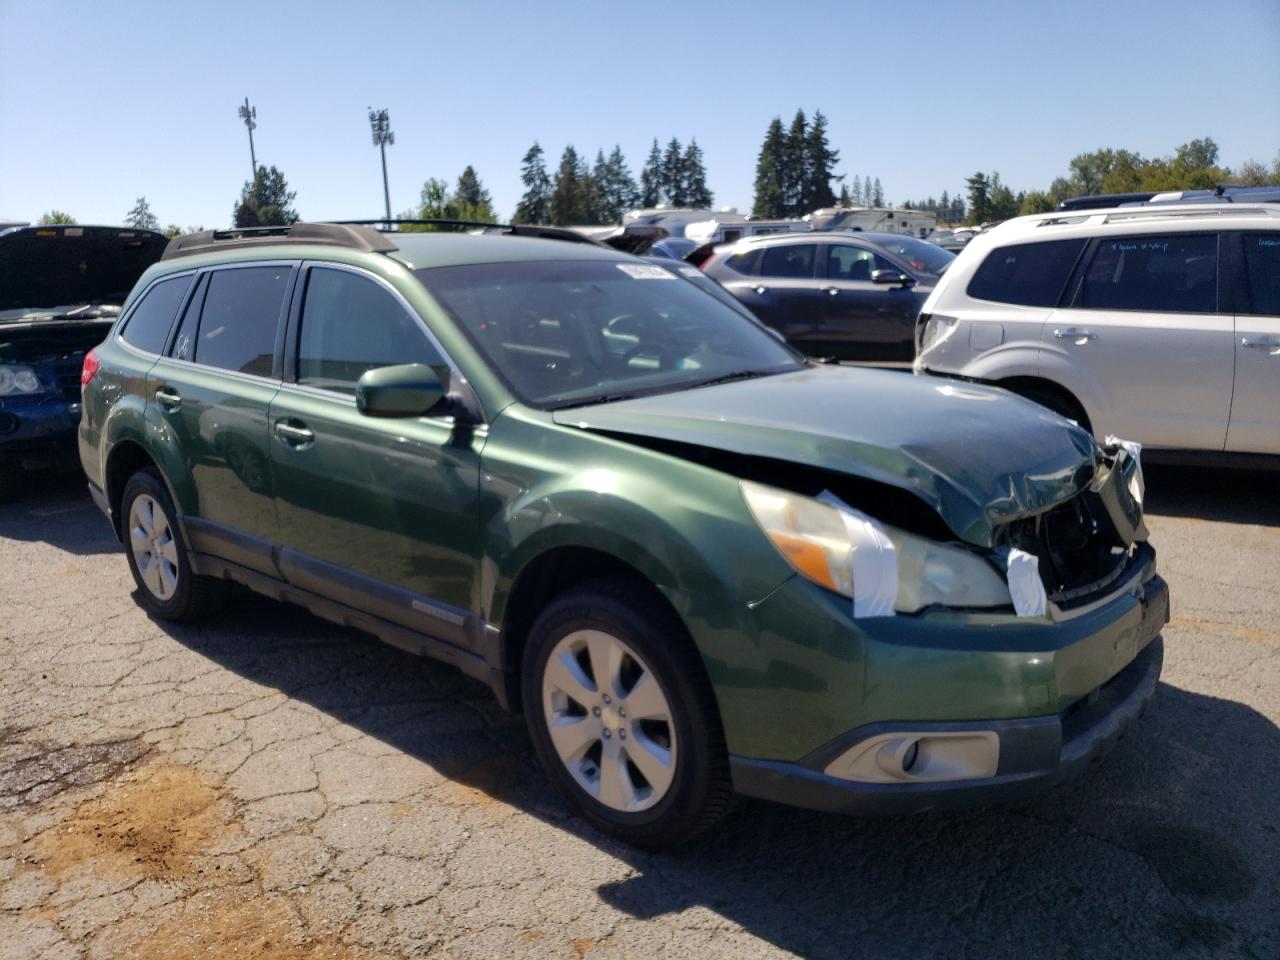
(184, 340)
(239, 319)
(919, 255)
(747, 263)
(1032, 274)
(149, 323)
(846, 262)
(574, 331)
(1175, 274)
(351, 324)
(788, 261)
(1262, 264)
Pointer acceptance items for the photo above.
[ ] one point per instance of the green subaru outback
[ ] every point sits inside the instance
(701, 564)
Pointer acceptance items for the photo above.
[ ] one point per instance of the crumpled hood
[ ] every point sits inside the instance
(979, 456)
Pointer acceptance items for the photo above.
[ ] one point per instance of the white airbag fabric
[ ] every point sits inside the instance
(1137, 485)
(1025, 586)
(874, 559)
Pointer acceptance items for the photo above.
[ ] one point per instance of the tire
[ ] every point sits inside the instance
(10, 482)
(157, 553)
(682, 796)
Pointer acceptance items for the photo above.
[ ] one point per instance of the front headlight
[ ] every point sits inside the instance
(16, 379)
(882, 569)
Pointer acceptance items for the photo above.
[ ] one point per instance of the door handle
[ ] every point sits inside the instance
(1270, 344)
(761, 290)
(830, 290)
(294, 433)
(168, 399)
(1080, 337)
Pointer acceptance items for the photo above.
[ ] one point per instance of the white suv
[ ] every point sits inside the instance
(1157, 324)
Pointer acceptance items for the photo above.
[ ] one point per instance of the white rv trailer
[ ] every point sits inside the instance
(914, 223)
(675, 219)
(718, 231)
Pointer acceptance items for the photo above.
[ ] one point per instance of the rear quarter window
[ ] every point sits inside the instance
(747, 263)
(148, 325)
(1029, 274)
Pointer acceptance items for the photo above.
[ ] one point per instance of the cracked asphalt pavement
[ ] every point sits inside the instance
(265, 784)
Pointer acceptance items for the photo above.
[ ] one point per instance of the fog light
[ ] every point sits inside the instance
(920, 757)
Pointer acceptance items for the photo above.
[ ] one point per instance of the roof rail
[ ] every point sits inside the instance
(542, 231)
(1173, 210)
(353, 236)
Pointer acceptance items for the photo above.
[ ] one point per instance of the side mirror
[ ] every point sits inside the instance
(892, 278)
(403, 390)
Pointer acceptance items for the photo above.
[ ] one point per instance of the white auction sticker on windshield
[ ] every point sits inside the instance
(644, 271)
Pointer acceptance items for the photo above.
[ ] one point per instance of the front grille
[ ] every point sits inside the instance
(1080, 552)
(66, 371)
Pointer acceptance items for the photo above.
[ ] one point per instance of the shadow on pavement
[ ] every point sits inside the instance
(1169, 847)
(1225, 494)
(55, 507)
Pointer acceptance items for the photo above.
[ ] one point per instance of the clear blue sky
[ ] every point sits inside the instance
(101, 102)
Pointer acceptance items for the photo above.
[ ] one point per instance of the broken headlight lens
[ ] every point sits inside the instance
(815, 539)
(15, 379)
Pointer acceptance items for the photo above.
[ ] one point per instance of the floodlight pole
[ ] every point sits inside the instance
(250, 115)
(380, 124)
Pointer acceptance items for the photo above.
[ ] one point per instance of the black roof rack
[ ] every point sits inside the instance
(354, 236)
(507, 229)
(1102, 200)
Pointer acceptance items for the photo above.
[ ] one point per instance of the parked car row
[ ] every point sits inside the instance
(698, 561)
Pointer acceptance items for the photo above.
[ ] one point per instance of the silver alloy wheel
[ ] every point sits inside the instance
(153, 546)
(609, 721)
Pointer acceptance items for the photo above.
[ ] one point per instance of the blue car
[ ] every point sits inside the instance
(60, 290)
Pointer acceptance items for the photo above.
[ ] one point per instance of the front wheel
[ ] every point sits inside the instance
(622, 715)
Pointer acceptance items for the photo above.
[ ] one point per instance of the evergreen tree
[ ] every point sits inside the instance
(877, 195)
(471, 199)
(770, 196)
(571, 198)
(266, 201)
(979, 197)
(673, 175)
(141, 217)
(845, 199)
(820, 167)
(796, 173)
(651, 178)
(535, 205)
(693, 176)
(857, 190)
(616, 190)
(944, 206)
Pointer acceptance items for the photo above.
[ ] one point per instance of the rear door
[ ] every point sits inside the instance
(1255, 404)
(1144, 337)
(211, 395)
(380, 514)
(779, 285)
(862, 320)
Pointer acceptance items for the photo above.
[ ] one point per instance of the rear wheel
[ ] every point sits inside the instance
(622, 716)
(1059, 401)
(158, 554)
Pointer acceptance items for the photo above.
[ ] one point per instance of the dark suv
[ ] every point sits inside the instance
(700, 563)
(852, 296)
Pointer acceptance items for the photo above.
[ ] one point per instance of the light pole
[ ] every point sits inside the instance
(380, 122)
(250, 117)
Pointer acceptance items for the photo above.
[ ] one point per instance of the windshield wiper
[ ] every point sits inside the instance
(730, 377)
(593, 400)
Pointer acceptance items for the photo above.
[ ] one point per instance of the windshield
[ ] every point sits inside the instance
(568, 332)
(918, 254)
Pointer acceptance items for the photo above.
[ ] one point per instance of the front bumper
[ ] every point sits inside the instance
(39, 432)
(1034, 752)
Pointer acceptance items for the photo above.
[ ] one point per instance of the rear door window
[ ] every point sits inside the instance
(1154, 273)
(847, 262)
(240, 319)
(789, 261)
(350, 324)
(1262, 269)
(1029, 274)
(150, 321)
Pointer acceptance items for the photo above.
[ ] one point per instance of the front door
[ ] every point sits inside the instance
(862, 320)
(1145, 335)
(379, 514)
(1255, 403)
